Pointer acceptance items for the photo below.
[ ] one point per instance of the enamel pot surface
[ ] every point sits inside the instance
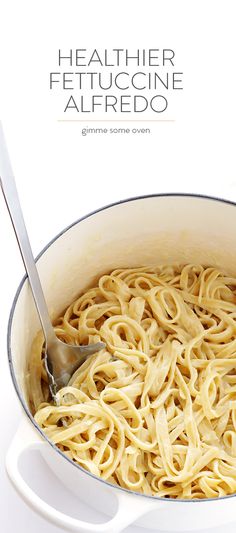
(158, 229)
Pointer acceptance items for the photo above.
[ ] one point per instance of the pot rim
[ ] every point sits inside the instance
(9, 331)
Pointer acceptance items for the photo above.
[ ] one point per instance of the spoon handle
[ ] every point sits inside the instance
(10, 194)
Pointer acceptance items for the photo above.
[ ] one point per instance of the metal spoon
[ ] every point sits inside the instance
(61, 360)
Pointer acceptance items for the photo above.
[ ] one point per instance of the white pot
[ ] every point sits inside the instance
(140, 231)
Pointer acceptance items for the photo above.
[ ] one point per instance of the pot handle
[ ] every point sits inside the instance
(128, 510)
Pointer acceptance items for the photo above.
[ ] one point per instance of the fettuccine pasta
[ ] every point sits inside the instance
(155, 411)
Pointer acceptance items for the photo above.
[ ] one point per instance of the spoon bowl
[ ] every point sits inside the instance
(62, 360)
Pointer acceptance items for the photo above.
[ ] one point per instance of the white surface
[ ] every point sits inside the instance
(62, 175)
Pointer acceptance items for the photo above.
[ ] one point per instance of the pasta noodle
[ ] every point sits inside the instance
(155, 411)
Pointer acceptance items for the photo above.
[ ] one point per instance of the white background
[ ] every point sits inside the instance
(62, 175)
